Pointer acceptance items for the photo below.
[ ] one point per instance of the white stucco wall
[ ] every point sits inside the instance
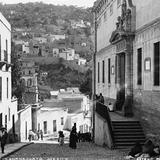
(63, 55)
(70, 54)
(146, 11)
(25, 118)
(25, 48)
(81, 61)
(5, 102)
(80, 121)
(13, 110)
(50, 114)
(102, 135)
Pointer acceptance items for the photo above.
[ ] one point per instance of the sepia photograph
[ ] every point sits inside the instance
(80, 80)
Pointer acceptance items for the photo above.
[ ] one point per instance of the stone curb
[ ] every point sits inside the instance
(6, 155)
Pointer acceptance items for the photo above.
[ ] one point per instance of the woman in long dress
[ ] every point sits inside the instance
(73, 138)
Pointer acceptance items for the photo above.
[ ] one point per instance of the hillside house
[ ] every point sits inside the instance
(52, 38)
(77, 24)
(55, 52)
(40, 39)
(25, 48)
(67, 54)
(81, 61)
(51, 119)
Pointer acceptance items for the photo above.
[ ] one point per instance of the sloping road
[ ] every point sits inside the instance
(54, 151)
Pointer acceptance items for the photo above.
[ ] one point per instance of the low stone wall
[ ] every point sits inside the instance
(102, 134)
(147, 110)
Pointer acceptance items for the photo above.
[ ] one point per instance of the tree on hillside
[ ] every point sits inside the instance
(17, 85)
(86, 85)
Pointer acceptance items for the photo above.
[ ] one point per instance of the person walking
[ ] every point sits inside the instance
(73, 137)
(38, 133)
(41, 133)
(101, 98)
(30, 135)
(61, 138)
(4, 136)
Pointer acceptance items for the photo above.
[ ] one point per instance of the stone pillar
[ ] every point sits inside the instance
(128, 104)
(118, 71)
(118, 97)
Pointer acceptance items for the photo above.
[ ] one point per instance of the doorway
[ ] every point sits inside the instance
(13, 124)
(121, 77)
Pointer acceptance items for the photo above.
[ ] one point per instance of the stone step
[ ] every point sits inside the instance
(138, 136)
(125, 122)
(129, 140)
(128, 133)
(126, 144)
(130, 130)
(127, 127)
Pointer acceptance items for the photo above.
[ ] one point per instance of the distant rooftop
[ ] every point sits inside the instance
(73, 105)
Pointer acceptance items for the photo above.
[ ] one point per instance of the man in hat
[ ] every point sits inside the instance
(3, 136)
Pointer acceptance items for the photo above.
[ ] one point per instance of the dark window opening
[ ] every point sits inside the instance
(109, 70)
(139, 66)
(54, 126)
(98, 72)
(103, 71)
(116, 70)
(62, 121)
(0, 88)
(156, 64)
(45, 127)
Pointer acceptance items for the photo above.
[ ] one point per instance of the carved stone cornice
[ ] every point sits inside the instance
(120, 35)
(124, 23)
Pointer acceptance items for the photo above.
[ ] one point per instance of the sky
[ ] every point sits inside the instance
(79, 3)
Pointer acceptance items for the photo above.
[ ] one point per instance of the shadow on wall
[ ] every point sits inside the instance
(13, 133)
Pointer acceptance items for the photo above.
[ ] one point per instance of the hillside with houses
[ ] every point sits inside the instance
(55, 39)
(47, 30)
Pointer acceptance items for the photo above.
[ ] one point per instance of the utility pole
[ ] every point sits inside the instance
(94, 74)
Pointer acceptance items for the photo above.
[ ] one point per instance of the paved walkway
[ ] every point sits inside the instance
(115, 116)
(10, 148)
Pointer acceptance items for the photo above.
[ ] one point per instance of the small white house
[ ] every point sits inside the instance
(52, 38)
(81, 61)
(25, 48)
(40, 39)
(54, 94)
(83, 124)
(76, 56)
(55, 52)
(51, 120)
(68, 54)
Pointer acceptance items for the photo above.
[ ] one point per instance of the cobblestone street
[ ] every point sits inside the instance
(83, 151)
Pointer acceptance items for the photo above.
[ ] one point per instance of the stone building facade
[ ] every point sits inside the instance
(128, 58)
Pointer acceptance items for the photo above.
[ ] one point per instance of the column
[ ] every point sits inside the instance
(128, 104)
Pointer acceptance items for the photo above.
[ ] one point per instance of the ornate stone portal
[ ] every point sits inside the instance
(123, 37)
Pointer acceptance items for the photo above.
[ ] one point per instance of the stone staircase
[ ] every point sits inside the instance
(126, 133)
